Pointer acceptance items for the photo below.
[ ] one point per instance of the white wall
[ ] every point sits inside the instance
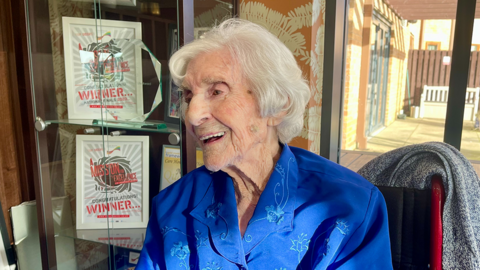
(476, 32)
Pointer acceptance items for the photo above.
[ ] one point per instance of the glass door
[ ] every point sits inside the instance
(106, 118)
(378, 76)
(100, 88)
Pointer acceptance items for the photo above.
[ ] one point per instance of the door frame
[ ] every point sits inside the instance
(383, 64)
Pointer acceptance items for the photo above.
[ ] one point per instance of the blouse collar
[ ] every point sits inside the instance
(273, 213)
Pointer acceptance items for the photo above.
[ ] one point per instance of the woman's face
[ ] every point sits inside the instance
(222, 113)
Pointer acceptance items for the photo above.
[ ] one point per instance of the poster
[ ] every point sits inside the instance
(171, 169)
(199, 156)
(112, 183)
(103, 70)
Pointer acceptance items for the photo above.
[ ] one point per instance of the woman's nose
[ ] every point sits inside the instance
(198, 111)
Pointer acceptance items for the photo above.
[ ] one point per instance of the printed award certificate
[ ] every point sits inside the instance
(171, 171)
(102, 68)
(170, 166)
(112, 182)
(199, 156)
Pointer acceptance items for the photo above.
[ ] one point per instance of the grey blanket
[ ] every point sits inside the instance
(412, 167)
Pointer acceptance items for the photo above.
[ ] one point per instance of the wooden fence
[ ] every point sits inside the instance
(427, 68)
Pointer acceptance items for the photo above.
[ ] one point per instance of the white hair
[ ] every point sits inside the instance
(267, 65)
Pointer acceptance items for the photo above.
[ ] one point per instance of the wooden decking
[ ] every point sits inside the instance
(354, 160)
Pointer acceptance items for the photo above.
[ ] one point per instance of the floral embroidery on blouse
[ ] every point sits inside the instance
(274, 214)
(212, 266)
(280, 170)
(201, 241)
(342, 227)
(181, 252)
(212, 210)
(300, 245)
(165, 230)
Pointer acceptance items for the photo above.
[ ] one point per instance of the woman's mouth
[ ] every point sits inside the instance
(210, 138)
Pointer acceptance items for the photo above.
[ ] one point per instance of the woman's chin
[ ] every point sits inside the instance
(213, 166)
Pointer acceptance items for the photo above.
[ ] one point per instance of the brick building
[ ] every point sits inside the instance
(368, 110)
(377, 57)
(438, 34)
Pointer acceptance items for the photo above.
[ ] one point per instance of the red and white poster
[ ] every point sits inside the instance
(112, 182)
(103, 69)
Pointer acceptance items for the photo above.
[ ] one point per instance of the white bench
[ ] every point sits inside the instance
(433, 102)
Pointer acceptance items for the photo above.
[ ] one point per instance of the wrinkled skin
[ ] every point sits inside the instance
(219, 100)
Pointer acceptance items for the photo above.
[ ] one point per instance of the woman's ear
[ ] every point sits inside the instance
(276, 119)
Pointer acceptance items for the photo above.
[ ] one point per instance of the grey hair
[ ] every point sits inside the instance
(267, 65)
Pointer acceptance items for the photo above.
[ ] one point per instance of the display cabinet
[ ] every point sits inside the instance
(105, 108)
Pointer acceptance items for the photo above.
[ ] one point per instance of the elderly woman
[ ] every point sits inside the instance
(258, 203)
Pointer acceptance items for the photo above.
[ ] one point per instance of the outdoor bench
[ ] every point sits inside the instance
(433, 102)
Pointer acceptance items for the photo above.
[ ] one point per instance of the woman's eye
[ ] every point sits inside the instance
(216, 92)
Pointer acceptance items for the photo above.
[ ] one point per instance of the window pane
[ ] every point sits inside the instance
(470, 145)
(386, 104)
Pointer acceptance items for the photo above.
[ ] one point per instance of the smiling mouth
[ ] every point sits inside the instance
(212, 137)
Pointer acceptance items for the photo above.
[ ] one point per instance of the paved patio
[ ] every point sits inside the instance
(413, 131)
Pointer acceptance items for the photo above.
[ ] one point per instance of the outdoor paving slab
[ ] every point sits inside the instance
(397, 132)
(382, 145)
(392, 137)
(470, 150)
(421, 138)
(470, 137)
(414, 131)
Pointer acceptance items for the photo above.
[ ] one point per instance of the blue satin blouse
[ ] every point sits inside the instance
(313, 214)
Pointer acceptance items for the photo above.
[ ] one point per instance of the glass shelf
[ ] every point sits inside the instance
(147, 126)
